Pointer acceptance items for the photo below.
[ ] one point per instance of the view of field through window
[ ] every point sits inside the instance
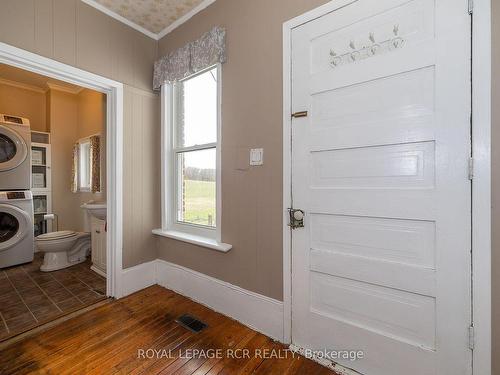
(198, 188)
(197, 127)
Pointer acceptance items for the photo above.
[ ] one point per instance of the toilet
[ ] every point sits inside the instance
(63, 249)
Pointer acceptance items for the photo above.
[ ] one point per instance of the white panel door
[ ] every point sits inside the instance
(380, 167)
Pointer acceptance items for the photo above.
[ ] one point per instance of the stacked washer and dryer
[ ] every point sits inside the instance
(16, 199)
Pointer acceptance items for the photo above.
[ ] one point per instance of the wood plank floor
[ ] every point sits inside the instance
(109, 340)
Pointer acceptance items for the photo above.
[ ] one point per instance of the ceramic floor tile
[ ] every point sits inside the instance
(20, 322)
(43, 302)
(26, 293)
(59, 295)
(69, 304)
(35, 298)
(14, 310)
(46, 312)
(87, 296)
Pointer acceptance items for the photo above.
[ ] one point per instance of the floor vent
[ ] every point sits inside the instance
(191, 323)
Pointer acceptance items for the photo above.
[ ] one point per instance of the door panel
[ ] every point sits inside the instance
(380, 167)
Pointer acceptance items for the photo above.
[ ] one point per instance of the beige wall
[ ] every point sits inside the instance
(71, 117)
(92, 120)
(495, 188)
(251, 117)
(25, 103)
(63, 119)
(76, 34)
(141, 170)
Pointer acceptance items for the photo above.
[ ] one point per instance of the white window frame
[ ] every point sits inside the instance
(170, 226)
(79, 177)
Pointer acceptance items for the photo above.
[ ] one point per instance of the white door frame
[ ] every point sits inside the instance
(481, 196)
(114, 144)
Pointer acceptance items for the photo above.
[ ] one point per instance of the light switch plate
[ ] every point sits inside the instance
(256, 156)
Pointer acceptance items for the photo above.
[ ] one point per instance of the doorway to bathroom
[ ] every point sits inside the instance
(75, 243)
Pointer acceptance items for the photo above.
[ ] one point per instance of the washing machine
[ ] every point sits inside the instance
(16, 228)
(15, 153)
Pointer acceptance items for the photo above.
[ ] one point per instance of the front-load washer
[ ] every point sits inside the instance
(16, 228)
(15, 153)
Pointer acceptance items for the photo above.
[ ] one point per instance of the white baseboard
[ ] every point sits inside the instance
(138, 277)
(259, 312)
(98, 271)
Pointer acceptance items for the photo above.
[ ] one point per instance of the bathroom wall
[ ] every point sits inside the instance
(63, 119)
(72, 116)
(76, 34)
(91, 121)
(29, 103)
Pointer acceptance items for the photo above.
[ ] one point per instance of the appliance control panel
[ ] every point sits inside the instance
(15, 195)
(14, 120)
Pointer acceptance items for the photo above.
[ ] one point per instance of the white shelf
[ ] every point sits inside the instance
(45, 191)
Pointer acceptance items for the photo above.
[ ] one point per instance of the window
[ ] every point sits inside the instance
(195, 149)
(191, 173)
(84, 160)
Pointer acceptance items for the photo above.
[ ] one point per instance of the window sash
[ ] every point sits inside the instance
(84, 166)
(201, 147)
(177, 189)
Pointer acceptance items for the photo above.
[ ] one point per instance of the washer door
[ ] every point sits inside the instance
(13, 149)
(14, 225)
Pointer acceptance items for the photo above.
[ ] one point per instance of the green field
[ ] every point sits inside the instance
(199, 202)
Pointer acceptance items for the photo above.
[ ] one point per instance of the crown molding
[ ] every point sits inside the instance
(70, 90)
(152, 35)
(20, 85)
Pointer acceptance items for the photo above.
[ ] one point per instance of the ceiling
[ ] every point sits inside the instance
(12, 75)
(154, 16)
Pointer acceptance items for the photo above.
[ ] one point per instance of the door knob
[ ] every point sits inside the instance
(298, 215)
(296, 218)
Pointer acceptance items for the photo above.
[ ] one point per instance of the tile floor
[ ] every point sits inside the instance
(30, 297)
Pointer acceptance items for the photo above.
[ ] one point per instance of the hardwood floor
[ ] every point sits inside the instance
(139, 335)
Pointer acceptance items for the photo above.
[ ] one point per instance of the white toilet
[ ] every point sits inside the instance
(63, 249)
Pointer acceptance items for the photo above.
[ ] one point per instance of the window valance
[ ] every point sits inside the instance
(208, 50)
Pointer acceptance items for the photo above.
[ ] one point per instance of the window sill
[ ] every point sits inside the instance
(193, 239)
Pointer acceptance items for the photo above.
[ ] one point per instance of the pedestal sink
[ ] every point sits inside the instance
(97, 209)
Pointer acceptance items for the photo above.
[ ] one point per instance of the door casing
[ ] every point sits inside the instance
(114, 151)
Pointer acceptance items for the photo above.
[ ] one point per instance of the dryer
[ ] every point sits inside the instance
(16, 228)
(15, 153)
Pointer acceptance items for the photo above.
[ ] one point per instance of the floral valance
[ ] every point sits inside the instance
(208, 50)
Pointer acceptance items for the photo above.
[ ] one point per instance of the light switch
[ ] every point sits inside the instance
(256, 156)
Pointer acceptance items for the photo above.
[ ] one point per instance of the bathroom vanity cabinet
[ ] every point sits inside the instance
(98, 239)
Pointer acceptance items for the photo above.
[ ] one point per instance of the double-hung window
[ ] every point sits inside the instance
(191, 159)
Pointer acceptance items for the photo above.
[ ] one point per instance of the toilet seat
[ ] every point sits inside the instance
(59, 235)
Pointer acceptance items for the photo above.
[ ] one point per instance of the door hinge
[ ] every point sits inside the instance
(471, 337)
(299, 114)
(471, 169)
(471, 6)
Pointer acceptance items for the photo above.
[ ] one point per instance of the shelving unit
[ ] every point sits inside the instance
(41, 180)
